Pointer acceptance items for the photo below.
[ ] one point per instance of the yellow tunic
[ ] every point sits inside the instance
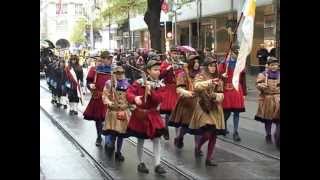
(269, 99)
(114, 125)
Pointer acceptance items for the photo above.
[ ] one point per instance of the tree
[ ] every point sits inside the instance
(122, 10)
(152, 19)
(77, 36)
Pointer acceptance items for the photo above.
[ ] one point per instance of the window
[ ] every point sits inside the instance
(61, 25)
(78, 9)
(61, 8)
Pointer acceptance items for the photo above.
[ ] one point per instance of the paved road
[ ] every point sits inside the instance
(234, 162)
(59, 159)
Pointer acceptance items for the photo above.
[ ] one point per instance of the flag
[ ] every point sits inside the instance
(245, 35)
(59, 7)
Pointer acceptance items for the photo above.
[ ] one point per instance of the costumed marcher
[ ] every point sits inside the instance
(208, 119)
(145, 121)
(96, 80)
(74, 73)
(268, 83)
(233, 101)
(117, 117)
(182, 113)
(61, 89)
(168, 70)
(50, 75)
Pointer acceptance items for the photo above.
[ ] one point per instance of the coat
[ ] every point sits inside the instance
(210, 117)
(269, 98)
(170, 93)
(182, 113)
(75, 78)
(233, 100)
(145, 121)
(117, 117)
(96, 110)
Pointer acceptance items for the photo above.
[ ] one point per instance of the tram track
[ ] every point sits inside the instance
(84, 153)
(189, 175)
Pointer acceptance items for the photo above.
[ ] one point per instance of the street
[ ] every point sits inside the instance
(257, 161)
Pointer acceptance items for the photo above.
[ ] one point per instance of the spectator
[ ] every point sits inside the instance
(262, 55)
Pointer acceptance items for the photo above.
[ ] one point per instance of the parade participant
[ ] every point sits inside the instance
(268, 83)
(96, 79)
(145, 121)
(117, 117)
(208, 119)
(168, 71)
(74, 73)
(233, 100)
(60, 82)
(50, 75)
(182, 113)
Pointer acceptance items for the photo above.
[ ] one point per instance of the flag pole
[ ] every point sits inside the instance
(231, 43)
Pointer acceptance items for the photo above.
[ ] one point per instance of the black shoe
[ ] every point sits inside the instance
(159, 170)
(268, 139)
(65, 107)
(166, 135)
(98, 141)
(198, 153)
(210, 163)
(118, 156)
(142, 168)
(236, 137)
(178, 142)
(75, 112)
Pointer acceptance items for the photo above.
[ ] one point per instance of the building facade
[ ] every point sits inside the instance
(214, 32)
(57, 21)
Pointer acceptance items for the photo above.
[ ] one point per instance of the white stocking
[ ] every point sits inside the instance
(156, 151)
(140, 149)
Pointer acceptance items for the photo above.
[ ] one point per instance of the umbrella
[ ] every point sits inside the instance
(185, 49)
(63, 43)
(44, 44)
(51, 45)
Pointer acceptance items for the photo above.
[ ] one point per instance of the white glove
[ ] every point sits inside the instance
(92, 86)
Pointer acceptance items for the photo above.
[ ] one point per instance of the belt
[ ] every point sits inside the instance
(146, 110)
(112, 108)
(96, 94)
(228, 86)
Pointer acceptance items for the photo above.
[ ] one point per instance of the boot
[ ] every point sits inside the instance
(98, 141)
(268, 139)
(198, 153)
(159, 169)
(178, 142)
(119, 157)
(210, 163)
(142, 168)
(236, 137)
